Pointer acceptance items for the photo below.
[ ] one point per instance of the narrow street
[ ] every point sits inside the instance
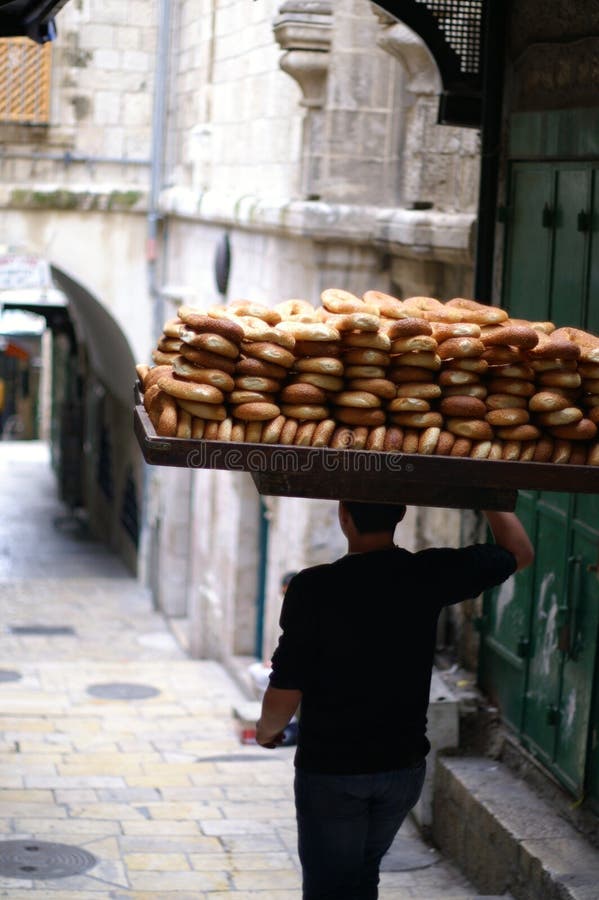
(121, 772)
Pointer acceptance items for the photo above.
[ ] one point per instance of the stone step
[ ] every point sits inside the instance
(504, 837)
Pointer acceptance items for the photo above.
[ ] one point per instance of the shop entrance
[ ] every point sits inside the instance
(540, 630)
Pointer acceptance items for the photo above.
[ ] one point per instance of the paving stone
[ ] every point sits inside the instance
(166, 862)
(160, 790)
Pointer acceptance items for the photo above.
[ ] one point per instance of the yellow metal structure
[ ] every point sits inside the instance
(25, 68)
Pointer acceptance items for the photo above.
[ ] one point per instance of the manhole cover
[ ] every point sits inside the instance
(122, 691)
(10, 675)
(40, 859)
(239, 757)
(45, 630)
(405, 854)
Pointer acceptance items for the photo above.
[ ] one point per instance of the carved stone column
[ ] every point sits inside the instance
(303, 30)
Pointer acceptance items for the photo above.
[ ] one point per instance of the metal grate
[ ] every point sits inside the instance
(130, 510)
(460, 21)
(25, 81)
(42, 630)
(32, 859)
(122, 691)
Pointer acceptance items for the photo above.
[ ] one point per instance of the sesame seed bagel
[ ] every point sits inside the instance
(323, 433)
(547, 401)
(507, 401)
(241, 396)
(423, 389)
(478, 313)
(354, 321)
(213, 343)
(272, 429)
(443, 331)
(363, 356)
(380, 387)
(317, 348)
(342, 302)
(474, 429)
(269, 352)
(365, 372)
(326, 382)
(207, 359)
(366, 339)
(257, 383)
(463, 406)
(415, 342)
(188, 390)
(422, 359)
(359, 399)
(323, 365)
(300, 310)
(256, 412)
(376, 438)
(504, 417)
(351, 415)
(212, 411)
(410, 326)
(417, 419)
(460, 347)
(523, 336)
(203, 324)
(215, 377)
(303, 393)
(408, 404)
(303, 411)
(162, 358)
(310, 331)
(567, 416)
(525, 432)
(386, 304)
(304, 434)
(244, 308)
(249, 365)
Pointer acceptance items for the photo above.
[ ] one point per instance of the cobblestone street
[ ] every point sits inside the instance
(157, 787)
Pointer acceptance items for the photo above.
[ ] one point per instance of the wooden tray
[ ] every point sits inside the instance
(417, 480)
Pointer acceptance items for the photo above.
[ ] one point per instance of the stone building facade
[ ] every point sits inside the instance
(304, 135)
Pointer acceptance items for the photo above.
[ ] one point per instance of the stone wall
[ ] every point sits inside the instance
(306, 132)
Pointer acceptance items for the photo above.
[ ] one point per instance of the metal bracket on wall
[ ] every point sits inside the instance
(453, 32)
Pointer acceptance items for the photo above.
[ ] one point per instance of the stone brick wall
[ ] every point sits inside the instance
(103, 64)
(235, 123)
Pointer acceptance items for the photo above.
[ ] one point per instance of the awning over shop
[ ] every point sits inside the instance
(29, 18)
(453, 31)
(108, 350)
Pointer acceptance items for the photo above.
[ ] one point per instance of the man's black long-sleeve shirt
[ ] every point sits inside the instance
(358, 639)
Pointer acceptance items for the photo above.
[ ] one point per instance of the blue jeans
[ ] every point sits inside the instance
(346, 823)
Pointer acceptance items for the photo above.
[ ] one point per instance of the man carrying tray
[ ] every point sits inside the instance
(357, 649)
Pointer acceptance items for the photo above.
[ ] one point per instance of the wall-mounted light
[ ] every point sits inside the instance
(222, 264)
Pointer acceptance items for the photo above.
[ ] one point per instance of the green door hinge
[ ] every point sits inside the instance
(548, 216)
(584, 220)
(479, 623)
(523, 647)
(552, 715)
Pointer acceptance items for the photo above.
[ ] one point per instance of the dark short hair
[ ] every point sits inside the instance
(287, 578)
(371, 517)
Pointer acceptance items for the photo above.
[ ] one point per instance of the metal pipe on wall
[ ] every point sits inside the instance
(493, 50)
(157, 162)
(70, 158)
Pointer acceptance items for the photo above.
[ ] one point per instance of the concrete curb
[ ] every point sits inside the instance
(506, 838)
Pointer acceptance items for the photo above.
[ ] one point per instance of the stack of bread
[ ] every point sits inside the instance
(455, 378)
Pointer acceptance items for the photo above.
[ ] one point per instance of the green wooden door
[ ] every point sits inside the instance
(540, 630)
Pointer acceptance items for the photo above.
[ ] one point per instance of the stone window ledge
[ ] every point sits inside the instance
(418, 234)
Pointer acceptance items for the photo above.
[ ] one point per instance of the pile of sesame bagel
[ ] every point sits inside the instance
(418, 375)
